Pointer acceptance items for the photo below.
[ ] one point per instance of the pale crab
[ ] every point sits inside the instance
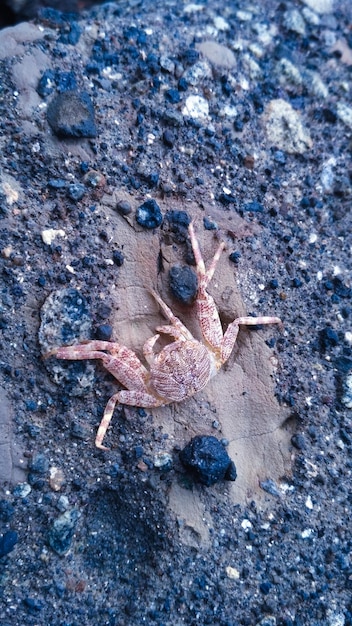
(181, 368)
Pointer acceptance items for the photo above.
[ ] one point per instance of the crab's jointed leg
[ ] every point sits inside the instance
(122, 362)
(207, 312)
(125, 366)
(129, 397)
(177, 329)
(208, 316)
(231, 333)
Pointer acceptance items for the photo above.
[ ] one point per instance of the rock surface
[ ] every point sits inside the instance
(238, 118)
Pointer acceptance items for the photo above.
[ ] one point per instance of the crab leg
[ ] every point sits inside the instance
(207, 312)
(231, 333)
(180, 331)
(131, 398)
(122, 362)
(204, 276)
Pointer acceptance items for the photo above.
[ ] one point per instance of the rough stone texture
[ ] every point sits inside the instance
(266, 159)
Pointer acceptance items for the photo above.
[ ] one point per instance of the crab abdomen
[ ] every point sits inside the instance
(181, 369)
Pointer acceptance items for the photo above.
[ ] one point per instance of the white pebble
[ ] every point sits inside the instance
(196, 107)
(50, 234)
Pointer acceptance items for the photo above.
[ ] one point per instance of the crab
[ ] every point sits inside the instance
(181, 368)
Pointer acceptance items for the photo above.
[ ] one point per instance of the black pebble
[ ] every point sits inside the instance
(123, 207)
(8, 542)
(118, 258)
(256, 207)
(39, 463)
(33, 604)
(207, 459)
(168, 138)
(209, 224)
(178, 224)
(149, 215)
(328, 338)
(298, 441)
(46, 84)
(183, 283)
(235, 256)
(76, 191)
(104, 332)
(62, 531)
(71, 114)
(6, 510)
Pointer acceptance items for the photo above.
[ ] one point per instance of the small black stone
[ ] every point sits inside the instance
(76, 191)
(62, 531)
(118, 258)
(172, 95)
(328, 338)
(265, 587)
(178, 224)
(209, 224)
(235, 256)
(280, 157)
(207, 459)
(8, 542)
(183, 283)
(149, 215)
(103, 311)
(238, 125)
(72, 36)
(298, 441)
(123, 207)
(65, 81)
(39, 463)
(329, 115)
(343, 364)
(104, 332)
(33, 604)
(168, 138)
(273, 283)
(6, 510)
(71, 114)
(256, 207)
(46, 84)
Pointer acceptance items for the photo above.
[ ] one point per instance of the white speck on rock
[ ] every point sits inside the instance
(309, 503)
(50, 234)
(320, 6)
(246, 524)
(344, 113)
(198, 72)
(347, 396)
(327, 175)
(193, 8)
(307, 533)
(244, 16)
(229, 111)
(335, 619)
(313, 82)
(348, 337)
(220, 23)
(284, 128)
(232, 572)
(288, 73)
(310, 16)
(294, 21)
(217, 54)
(10, 192)
(196, 107)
